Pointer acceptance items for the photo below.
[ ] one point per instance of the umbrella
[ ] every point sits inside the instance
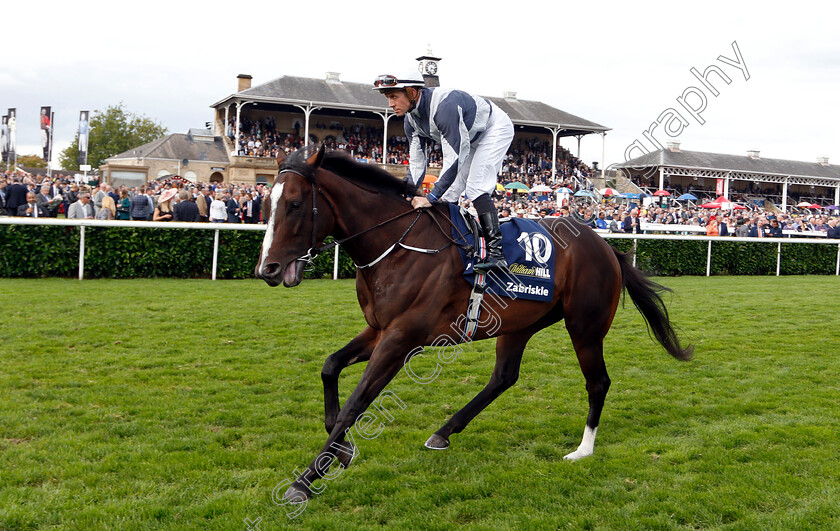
(499, 187)
(661, 193)
(805, 204)
(687, 197)
(516, 186)
(832, 207)
(720, 202)
(564, 190)
(724, 204)
(814, 205)
(606, 192)
(584, 193)
(429, 179)
(631, 196)
(541, 188)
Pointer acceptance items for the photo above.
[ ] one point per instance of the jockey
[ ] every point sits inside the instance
(474, 135)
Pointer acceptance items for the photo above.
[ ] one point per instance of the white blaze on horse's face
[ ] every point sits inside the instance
(276, 194)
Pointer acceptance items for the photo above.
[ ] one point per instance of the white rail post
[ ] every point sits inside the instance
(81, 252)
(709, 260)
(335, 264)
(837, 267)
(635, 250)
(779, 259)
(215, 253)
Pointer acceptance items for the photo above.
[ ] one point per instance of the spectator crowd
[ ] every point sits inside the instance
(528, 162)
(24, 195)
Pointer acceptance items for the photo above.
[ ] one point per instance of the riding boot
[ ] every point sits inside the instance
(495, 259)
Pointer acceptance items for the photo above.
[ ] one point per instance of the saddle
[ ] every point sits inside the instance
(528, 249)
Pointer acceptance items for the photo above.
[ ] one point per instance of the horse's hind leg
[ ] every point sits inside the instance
(590, 354)
(509, 350)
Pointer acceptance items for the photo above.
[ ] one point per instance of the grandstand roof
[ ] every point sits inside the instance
(334, 94)
(178, 146)
(744, 164)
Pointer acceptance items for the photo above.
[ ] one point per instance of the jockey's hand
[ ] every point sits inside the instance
(420, 202)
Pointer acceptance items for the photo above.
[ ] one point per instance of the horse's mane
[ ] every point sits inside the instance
(343, 165)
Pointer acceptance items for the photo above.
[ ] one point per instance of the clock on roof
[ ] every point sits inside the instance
(428, 66)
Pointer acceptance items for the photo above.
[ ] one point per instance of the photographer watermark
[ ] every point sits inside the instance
(690, 104)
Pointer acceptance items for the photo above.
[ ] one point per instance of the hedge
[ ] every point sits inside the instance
(687, 257)
(53, 251)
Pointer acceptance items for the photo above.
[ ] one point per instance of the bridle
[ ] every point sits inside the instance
(315, 250)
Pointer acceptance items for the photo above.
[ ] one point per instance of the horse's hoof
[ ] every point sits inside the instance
(436, 442)
(295, 494)
(347, 454)
(577, 454)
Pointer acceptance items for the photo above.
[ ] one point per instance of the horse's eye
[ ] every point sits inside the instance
(295, 204)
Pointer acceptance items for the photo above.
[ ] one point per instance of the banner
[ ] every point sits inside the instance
(719, 187)
(46, 130)
(12, 122)
(84, 129)
(4, 138)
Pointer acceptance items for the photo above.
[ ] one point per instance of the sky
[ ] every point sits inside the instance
(624, 65)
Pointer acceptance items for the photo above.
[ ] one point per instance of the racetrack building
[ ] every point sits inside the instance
(317, 110)
(196, 156)
(783, 182)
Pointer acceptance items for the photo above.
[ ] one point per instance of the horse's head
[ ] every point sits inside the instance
(299, 218)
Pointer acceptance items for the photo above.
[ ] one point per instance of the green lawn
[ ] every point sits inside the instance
(158, 404)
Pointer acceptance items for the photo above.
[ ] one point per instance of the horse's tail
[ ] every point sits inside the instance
(645, 295)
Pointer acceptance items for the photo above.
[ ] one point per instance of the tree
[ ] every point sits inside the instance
(111, 132)
(31, 161)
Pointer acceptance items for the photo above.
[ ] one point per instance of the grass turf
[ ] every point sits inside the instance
(157, 404)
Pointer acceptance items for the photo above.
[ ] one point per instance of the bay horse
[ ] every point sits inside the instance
(410, 299)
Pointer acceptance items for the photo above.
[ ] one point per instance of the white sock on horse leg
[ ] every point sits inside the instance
(587, 445)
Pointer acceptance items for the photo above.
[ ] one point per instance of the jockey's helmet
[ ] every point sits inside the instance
(411, 78)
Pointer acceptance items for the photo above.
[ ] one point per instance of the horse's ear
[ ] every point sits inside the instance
(316, 159)
(281, 157)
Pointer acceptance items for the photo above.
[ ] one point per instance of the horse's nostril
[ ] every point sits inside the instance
(271, 269)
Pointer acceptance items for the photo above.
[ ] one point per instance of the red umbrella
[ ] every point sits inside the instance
(662, 192)
(724, 203)
(814, 205)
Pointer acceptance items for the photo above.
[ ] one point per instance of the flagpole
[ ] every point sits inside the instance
(52, 130)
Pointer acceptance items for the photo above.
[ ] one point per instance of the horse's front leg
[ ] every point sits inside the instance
(357, 350)
(386, 360)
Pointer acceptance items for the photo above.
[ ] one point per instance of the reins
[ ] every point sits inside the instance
(315, 250)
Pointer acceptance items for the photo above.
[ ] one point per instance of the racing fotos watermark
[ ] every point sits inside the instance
(690, 105)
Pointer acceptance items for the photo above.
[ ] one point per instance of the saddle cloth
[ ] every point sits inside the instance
(528, 249)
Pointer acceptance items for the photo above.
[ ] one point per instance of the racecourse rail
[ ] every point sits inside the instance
(82, 223)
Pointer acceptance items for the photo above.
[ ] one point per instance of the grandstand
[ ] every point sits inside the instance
(744, 178)
(289, 112)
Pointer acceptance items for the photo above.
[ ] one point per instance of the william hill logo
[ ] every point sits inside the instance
(523, 270)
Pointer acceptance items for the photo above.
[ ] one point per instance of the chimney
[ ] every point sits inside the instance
(823, 161)
(509, 95)
(753, 154)
(332, 77)
(244, 82)
(673, 147)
